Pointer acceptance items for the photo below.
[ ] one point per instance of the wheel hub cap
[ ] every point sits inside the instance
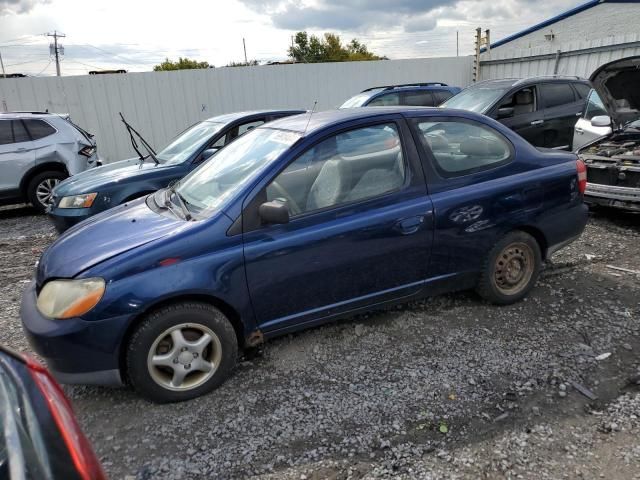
(184, 356)
(44, 190)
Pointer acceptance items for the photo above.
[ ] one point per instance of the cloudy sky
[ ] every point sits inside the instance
(137, 34)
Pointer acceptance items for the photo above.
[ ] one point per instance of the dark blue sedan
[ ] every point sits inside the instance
(297, 223)
(88, 193)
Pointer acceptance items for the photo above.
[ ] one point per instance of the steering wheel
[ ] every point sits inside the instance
(294, 209)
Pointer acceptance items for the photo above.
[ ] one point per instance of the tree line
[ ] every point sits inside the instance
(304, 49)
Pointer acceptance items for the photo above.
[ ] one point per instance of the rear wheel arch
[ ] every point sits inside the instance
(228, 311)
(537, 234)
(38, 169)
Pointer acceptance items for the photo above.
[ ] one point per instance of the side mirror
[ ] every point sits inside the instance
(208, 153)
(274, 212)
(601, 121)
(506, 112)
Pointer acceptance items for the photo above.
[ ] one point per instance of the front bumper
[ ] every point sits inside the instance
(65, 218)
(76, 351)
(627, 198)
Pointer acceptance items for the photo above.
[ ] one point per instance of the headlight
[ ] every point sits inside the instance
(78, 201)
(70, 298)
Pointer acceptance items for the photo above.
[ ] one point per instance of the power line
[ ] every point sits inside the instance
(85, 64)
(19, 39)
(22, 63)
(42, 71)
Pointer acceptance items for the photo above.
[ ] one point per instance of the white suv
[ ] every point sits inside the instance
(37, 151)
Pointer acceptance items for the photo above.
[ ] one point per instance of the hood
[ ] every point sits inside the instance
(95, 179)
(102, 237)
(617, 84)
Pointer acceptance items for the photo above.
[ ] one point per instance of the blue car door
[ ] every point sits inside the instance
(360, 228)
(478, 189)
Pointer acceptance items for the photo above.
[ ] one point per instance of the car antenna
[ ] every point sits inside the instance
(309, 120)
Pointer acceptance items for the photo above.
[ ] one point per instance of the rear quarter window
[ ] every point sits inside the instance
(462, 147)
(39, 128)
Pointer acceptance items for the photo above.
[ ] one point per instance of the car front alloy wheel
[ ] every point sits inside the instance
(181, 351)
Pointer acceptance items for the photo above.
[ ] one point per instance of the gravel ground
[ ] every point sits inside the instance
(445, 388)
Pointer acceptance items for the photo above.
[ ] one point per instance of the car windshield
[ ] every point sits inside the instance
(209, 185)
(188, 142)
(476, 99)
(360, 99)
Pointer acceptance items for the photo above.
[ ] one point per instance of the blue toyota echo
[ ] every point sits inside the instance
(298, 222)
(91, 192)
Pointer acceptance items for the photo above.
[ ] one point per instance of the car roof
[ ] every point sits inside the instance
(6, 115)
(310, 122)
(513, 82)
(417, 85)
(232, 117)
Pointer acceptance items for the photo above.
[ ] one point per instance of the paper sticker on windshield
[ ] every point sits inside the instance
(284, 136)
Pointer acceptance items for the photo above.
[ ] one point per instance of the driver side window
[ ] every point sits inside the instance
(348, 167)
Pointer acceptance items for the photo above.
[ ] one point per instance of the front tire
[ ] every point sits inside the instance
(511, 269)
(180, 352)
(40, 189)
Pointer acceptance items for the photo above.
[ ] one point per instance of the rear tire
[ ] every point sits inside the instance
(511, 269)
(180, 352)
(40, 189)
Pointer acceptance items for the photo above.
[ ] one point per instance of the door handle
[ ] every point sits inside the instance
(410, 225)
(21, 149)
(537, 122)
(579, 114)
(579, 131)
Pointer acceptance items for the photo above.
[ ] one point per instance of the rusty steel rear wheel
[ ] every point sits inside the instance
(513, 268)
(510, 269)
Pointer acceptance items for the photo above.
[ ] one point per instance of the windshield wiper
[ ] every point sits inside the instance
(133, 133)
(183, 206)
(181, 203)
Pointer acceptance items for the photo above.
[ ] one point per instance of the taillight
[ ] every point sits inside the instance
(582, 175)
(84, 459)
(87, 151)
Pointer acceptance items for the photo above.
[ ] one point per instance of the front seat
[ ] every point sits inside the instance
(523, 102)
(330, 185)
(378, 181)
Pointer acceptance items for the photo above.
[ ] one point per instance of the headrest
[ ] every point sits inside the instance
(481, 147)
(437, 142)
(622, 103)
(524, 97)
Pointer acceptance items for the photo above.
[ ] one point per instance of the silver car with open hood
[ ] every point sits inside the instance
(613, 161)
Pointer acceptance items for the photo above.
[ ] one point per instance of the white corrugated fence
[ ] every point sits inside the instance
(162, 104)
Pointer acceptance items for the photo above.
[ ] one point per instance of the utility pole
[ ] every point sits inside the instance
(479, 42)
(476, 59)
(4, 74)
(244, 45)
(55, 49)
(457, 43)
